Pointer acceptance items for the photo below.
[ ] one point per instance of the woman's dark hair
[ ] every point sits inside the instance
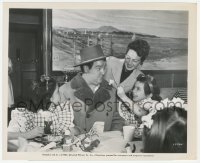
(150, 86)
(168, 133)
(141, 47)
(42, 94)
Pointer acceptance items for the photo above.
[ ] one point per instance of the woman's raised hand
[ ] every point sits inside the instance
(120, 92)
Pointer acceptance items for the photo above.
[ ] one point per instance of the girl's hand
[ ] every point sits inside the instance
(120, 92)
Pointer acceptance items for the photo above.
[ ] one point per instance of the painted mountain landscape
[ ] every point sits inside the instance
(168, 42)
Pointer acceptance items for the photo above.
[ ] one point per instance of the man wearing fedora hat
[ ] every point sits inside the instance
(91, 97)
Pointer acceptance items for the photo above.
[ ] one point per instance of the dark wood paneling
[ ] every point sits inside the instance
(25, 50)
(25, 16)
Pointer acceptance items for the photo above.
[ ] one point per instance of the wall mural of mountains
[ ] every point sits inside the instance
(166, 53)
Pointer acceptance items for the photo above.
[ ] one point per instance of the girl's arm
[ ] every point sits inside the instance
(136, 109)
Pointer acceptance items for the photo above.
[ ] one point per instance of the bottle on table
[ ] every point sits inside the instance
(67, 141)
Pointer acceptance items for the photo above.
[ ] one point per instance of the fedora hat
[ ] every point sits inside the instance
(91, 54)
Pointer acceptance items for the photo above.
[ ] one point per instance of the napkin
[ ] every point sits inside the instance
(22, 143)
(25, 146)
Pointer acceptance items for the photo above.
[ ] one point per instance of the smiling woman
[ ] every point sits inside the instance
(132, 60)
(125, 71)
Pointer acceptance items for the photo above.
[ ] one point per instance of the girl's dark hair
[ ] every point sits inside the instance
(150, 86)
(168, 133)
(42, 94)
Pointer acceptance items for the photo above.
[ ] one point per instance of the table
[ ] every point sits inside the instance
(113, 142)
(110, 142)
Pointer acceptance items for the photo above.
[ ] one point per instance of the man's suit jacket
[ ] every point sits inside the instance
(90, 107)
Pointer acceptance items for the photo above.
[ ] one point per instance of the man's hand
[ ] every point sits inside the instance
(37, 131)
(120, 92)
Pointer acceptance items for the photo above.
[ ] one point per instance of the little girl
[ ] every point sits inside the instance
(56, 120)
(145, 93)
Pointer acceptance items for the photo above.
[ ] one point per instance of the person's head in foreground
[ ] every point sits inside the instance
(136, 53)
(168, 133)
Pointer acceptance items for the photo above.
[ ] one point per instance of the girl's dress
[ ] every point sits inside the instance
(128, 114)
(60, 116)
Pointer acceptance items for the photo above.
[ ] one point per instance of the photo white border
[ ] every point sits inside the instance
(191, 75)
